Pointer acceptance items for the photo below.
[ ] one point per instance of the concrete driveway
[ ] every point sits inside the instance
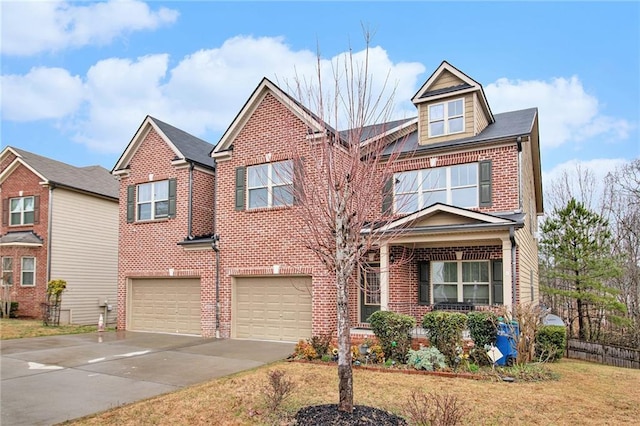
(47, 380)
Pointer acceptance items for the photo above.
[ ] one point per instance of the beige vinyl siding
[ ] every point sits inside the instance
(480, 119)
(446, 79)
(84, 252)
(469, 119)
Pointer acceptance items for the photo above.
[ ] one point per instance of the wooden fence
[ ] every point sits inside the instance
(603, 354)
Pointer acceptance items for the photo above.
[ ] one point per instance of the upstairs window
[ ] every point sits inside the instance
(446, 118)
(454, 185)
(270, 185)
(151, 201)
(22, 210)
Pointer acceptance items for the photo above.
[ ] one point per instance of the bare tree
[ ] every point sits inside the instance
(340, 200)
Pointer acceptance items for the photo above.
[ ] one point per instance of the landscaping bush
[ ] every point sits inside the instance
(321, 343)
(13, 309)
(435, 409)
(445, 332)
(483, 327)
(393, 331)
(551, 342)
(304, 350)
(427, 358)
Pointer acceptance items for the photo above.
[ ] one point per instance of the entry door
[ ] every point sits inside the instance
(369, 292)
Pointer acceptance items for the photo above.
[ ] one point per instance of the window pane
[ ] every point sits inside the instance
(465, 197)
(436, 128)
(15, 218)
(161, 190)
(28, 204)
(432, 197)
(28, 217)
(162, 209)
(434, 178)
(16, 205)
(258, 198)
(475, 272)
(144, 211)
(28, 263)
(406, 203)
(372, 288)
(406, 182)
(27, 278)
(464, 174)
(476, 293)
(450, 272)
(456, 125)
(436, 112)
(455, 108)
(258, 176)
(144, 192)
(7, 263)
(283, 195)
(282, 172)
(445, 293)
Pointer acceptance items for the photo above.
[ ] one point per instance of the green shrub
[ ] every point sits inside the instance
(393, 331)
(13, 309)
(483, 327)
(428, 358)
(445, 332)
(551, 341)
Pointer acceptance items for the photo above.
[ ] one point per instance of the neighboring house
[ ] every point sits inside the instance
(166, 268)
(466, 192)
(59, 222)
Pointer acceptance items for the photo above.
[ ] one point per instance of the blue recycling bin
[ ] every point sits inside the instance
(506, 342)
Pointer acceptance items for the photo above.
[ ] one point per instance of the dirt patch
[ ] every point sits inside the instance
(362, 415)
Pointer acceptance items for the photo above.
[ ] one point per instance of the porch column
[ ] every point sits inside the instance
(506, 272)
(384, 277)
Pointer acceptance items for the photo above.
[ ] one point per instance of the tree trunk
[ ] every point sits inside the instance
(582, 331)
(345, 374)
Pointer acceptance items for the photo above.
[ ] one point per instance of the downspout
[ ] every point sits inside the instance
(512, 237)
(190, 209)
(215, 247)
(49, 226)
(519, 144)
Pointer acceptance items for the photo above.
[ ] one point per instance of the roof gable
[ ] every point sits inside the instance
(315, 124)
(92, 179)
(184, 145)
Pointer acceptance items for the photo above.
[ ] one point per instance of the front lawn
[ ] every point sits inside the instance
(585, 394)
(11, 328)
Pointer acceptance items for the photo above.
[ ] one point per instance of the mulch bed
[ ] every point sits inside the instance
(362, 415)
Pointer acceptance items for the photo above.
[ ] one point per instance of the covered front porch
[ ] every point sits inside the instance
(441, 257)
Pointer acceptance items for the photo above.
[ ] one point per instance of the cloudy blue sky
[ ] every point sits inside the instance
(78, 78)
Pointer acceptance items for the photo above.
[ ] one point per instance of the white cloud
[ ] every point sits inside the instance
(202, 93)
(32, 27)
(567, 112)
(42, 93)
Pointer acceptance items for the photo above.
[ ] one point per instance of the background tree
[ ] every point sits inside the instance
(577, 247)
(343, 180)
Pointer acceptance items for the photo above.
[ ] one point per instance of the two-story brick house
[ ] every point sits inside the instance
(58, 222)
(466, 193)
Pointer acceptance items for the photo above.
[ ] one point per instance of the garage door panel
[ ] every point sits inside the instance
(272, 308)
(165, 305)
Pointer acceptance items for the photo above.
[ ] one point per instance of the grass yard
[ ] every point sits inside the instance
(11, 328)
(585, 394)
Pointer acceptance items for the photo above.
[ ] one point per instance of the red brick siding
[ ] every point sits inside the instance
(28, 298)
(149, 249)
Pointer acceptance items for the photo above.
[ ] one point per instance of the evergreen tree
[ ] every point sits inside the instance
(576, 244)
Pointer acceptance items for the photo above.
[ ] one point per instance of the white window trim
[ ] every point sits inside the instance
(460, 284)
(269, 186)
(446, 118)
(152, 201)
(4, 271)
(22, 271)
(423, 197)
(22, 210)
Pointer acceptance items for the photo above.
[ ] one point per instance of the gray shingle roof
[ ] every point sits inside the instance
(94, 179)
(507, 124)
(368, 132)
(193, 148)
(21, 237)
(445, 90)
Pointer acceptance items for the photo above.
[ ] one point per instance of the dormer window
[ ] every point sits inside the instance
(446, 118)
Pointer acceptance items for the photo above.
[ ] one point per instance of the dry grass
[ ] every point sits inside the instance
(586, 394)
(21, 328)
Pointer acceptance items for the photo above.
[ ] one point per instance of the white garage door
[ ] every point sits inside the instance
(169, 305)
(272, 308)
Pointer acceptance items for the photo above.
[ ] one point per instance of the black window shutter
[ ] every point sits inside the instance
(424, 284)
(5, 212)
(240, 188)
(131, 203)
(387, 197)
(298, 180)
(36, 209)
(172, 197)
(485, 183)
(497, 282)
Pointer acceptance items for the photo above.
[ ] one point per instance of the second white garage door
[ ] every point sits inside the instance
(272, 308)
(170, 305)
